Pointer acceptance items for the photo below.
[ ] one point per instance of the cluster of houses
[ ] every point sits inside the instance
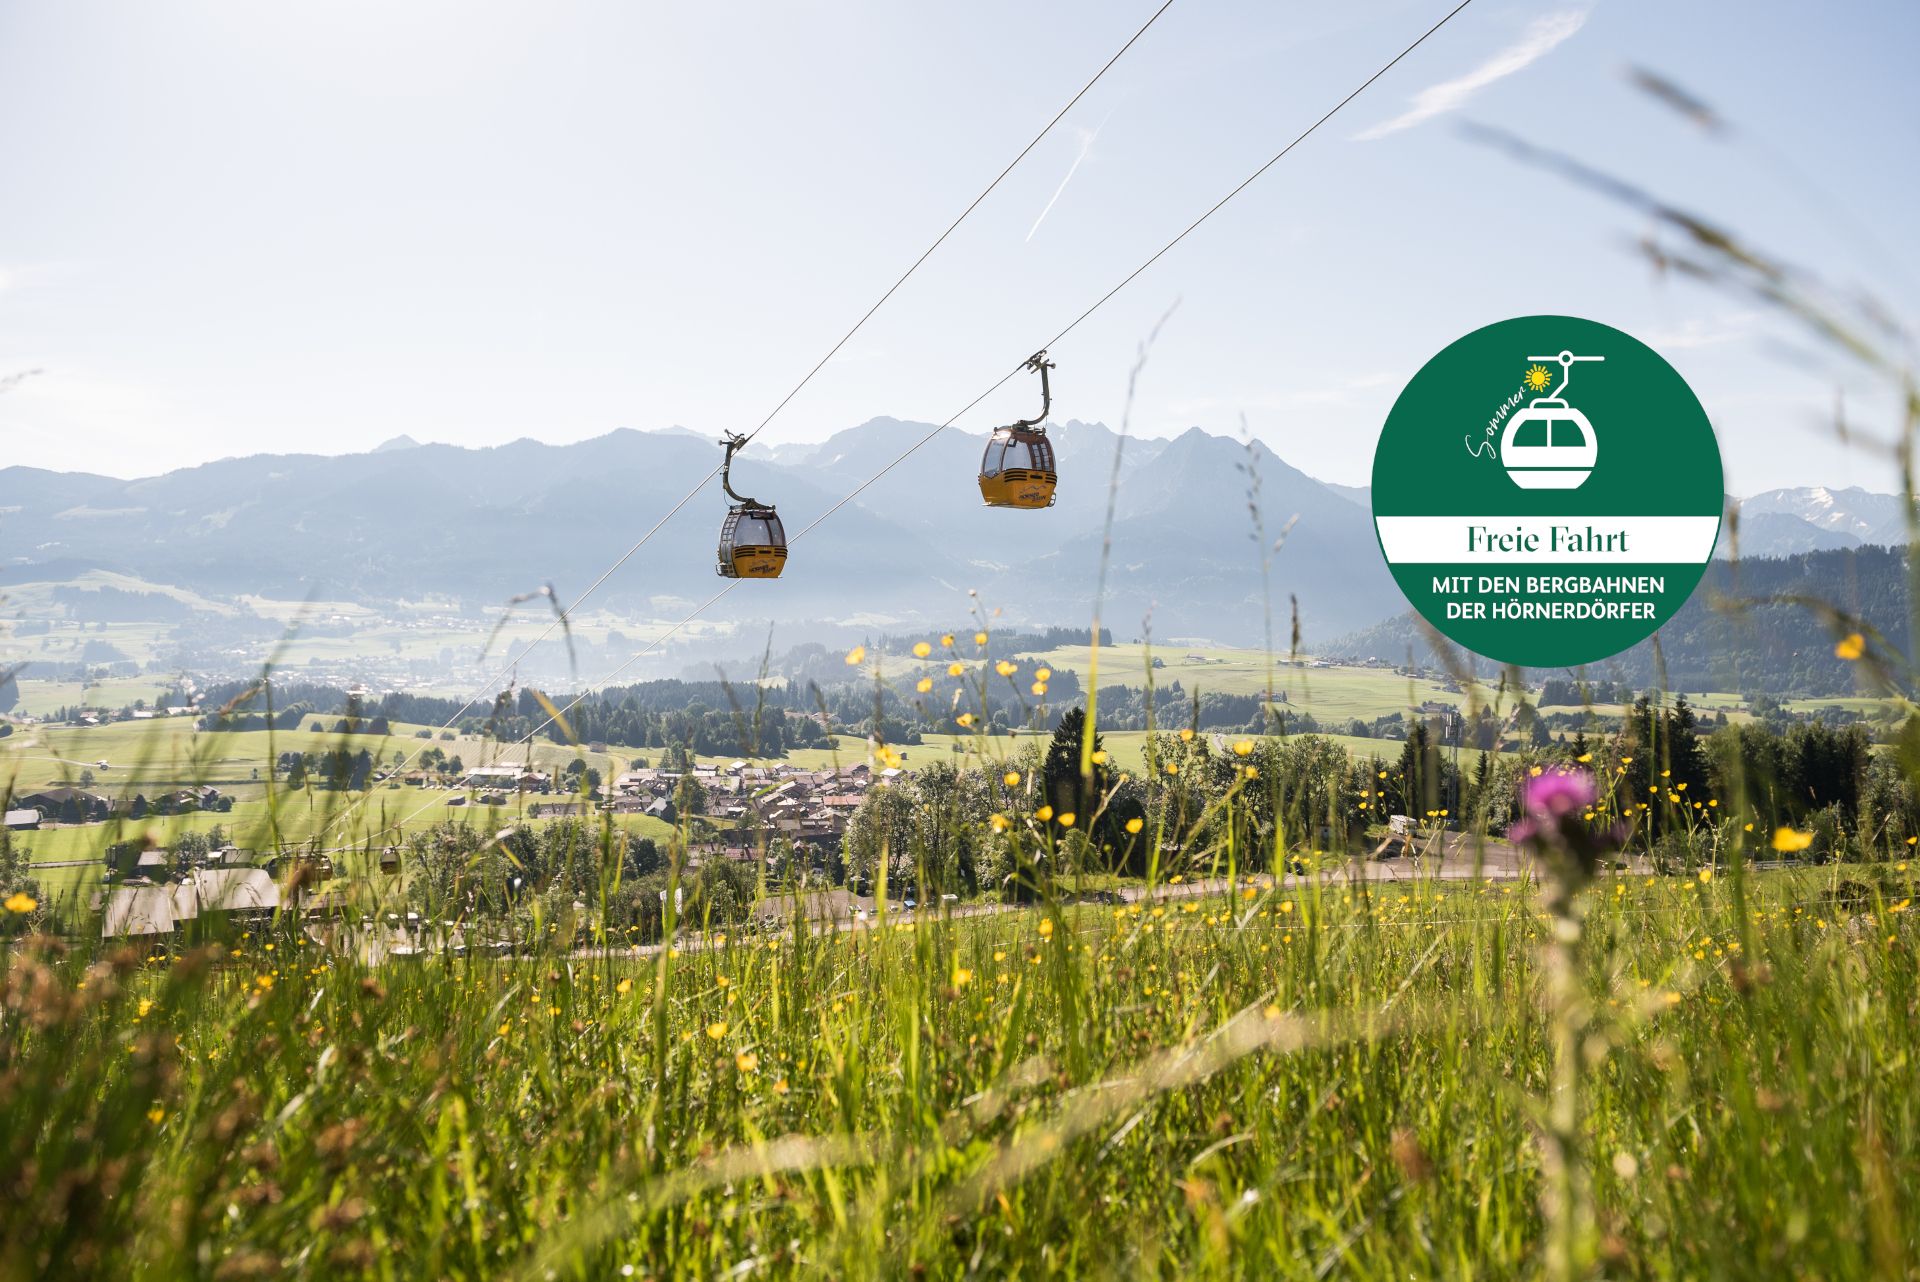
(108, 716)
(756, 804)
(68, 805)
(752, 805)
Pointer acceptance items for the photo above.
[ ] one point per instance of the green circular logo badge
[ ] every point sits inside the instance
(1547, 491)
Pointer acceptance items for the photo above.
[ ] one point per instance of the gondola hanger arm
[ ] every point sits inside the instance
(1039, 361)
(733, 442)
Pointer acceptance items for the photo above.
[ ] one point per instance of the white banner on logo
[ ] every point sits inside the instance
(1544, 540)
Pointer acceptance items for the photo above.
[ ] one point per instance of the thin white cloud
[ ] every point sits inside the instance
(1697, 332)
(1541, 38)
(1086, 146)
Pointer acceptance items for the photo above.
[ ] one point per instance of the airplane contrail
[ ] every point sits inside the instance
(1086, 146)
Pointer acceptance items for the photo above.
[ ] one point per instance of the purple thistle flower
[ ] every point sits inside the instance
(1557, 794)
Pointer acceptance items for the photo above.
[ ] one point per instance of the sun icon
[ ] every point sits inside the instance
(1537, 378)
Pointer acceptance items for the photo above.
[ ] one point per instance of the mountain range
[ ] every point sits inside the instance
(412, 521)
(1811, 517)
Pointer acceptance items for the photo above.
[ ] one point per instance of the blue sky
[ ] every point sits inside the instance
(230, 228)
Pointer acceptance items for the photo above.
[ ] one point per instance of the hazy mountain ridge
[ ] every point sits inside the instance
(412, 520)
(482, 524)
(1860, 517)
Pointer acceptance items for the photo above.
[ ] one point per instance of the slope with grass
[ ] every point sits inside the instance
(1291, 1083)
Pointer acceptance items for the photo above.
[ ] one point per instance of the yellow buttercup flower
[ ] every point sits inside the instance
(856, 656)
(1100, 757)
(1039, 687)
(1006, 669)
(1066, 820)
(956, 669)
(947, 639)
(1186, 736)
(979, 638)
(746, 1061)
(717, 1029)
(964, 720)
(1791, 840)
(1012, 779)
(921, 649)
(1243, 748)
(21, 902)
(924, 684)
(1850, 647)
(1045, 674)
(1043, 814)
(1135, 825)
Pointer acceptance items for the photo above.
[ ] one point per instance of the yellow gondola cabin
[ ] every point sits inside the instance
(1018, 468)
(753, 544)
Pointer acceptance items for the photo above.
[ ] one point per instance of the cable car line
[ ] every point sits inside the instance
(1030, 362)
(771, 552)
(1308, 132)
(1157, 255)
(1013, 486)
(951, 227)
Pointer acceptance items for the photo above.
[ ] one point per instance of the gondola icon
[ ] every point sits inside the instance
(1550, 445)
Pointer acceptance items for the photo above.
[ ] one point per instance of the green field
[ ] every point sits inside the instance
(1126, 748)
(298, 817)
(149, 757)
(43, 698)
(171, 750)
(1330, 694)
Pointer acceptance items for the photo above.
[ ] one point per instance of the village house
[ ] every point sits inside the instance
(572, 808)
(65, 805)
(510, 778)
